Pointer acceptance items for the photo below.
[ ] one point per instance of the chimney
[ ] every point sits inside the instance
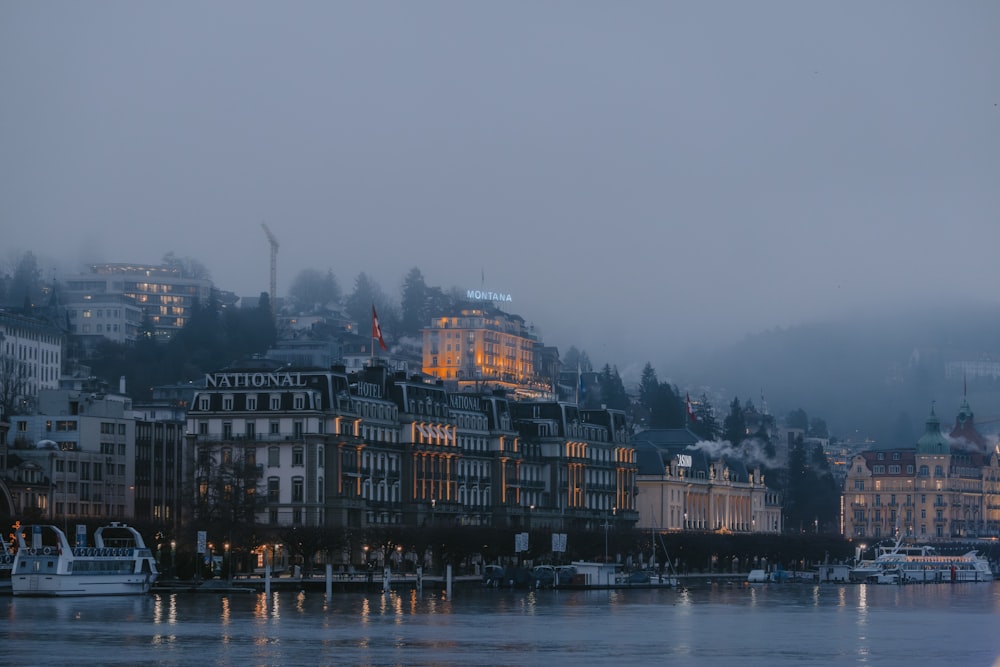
(121, 385)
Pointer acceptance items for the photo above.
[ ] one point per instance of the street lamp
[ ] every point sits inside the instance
(226, 564)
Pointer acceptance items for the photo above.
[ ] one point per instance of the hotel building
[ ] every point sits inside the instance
(480, 345)
(942, 488)
(356, 449)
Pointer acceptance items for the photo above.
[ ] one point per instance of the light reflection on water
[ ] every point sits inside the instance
(772, 624)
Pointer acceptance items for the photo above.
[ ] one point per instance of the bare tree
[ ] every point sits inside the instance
(13, 384)
(226, 498)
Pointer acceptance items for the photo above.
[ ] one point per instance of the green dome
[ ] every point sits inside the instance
(933, 441)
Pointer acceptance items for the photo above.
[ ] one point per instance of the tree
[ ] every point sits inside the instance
(612, 390)
(705, 424)
(817, 428)
(25, 287)
(734, 426)
(798, 419)
(649, 386)
(575, 359)
(226, 492)
(667, 409)
(13, 385)
(415, 314)
(188, 266)
(312, 289)
(366, 294)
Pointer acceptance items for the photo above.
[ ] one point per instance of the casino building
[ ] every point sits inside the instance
(944, 487)
(375, 446)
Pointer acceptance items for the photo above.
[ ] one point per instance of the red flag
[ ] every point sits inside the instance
(690, 409)
(376, 329)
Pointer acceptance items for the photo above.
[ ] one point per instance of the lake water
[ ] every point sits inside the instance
(770, 624)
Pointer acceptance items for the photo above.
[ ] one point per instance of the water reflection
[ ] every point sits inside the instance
(779, 624)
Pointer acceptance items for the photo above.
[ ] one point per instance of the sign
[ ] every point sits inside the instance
(484, 295)
(521, 542)
(253, 380)
(684, 460)
(558, 542)
(462, 402)
(202, 542)
(369, 390)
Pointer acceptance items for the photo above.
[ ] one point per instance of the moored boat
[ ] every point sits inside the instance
(119, 563)
(6, 566)
(903, 564)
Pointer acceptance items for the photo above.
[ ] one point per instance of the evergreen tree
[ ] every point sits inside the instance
(705, 424)
(734, 426)
(649, 386)
(414, 303)
(613, 394)
(798, 419)
(312, 289)
(25, 287)
(358, 305)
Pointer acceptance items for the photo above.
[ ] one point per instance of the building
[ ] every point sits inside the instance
(481, 346)
(941, 488)
(74, 458)
(108, 295)
(378, 447)
(682, 487)
(31, 353)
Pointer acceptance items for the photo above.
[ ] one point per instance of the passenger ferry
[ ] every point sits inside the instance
(46, 565)
(6, 566)
(900, 564)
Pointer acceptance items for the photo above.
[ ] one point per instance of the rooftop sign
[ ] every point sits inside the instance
(485, 295)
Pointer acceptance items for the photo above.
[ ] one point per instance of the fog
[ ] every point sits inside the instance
(641, 177)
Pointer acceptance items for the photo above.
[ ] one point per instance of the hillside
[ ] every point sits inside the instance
(871, 375)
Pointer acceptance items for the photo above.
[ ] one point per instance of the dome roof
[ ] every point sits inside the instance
(933, 440)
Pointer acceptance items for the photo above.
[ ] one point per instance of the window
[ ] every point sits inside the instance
(300, 402)
(251, 430)
(274, 428)
(273, 489)
(251, 402)
(275, 402)
(298, 489)
(859, 485)
(227, 430)
(273, 457)
(298, 456)
(203, 403)
(202, 428)
(227, 402)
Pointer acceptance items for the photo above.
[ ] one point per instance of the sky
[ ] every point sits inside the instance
(638, 176)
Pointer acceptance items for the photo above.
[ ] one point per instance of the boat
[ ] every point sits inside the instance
(119, 563)
(903, 564)
(6, 566)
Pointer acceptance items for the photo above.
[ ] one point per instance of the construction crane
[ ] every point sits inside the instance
(274, 265)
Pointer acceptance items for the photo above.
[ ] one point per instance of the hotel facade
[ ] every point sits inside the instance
(378, 447)
(945, 487)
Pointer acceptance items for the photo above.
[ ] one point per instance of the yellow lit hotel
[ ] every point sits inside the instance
(480, 345)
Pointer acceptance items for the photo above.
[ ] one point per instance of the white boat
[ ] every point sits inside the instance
(117, 564)
(921, 564)
(6, 566)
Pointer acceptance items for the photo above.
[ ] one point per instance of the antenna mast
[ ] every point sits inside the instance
(274, 265)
